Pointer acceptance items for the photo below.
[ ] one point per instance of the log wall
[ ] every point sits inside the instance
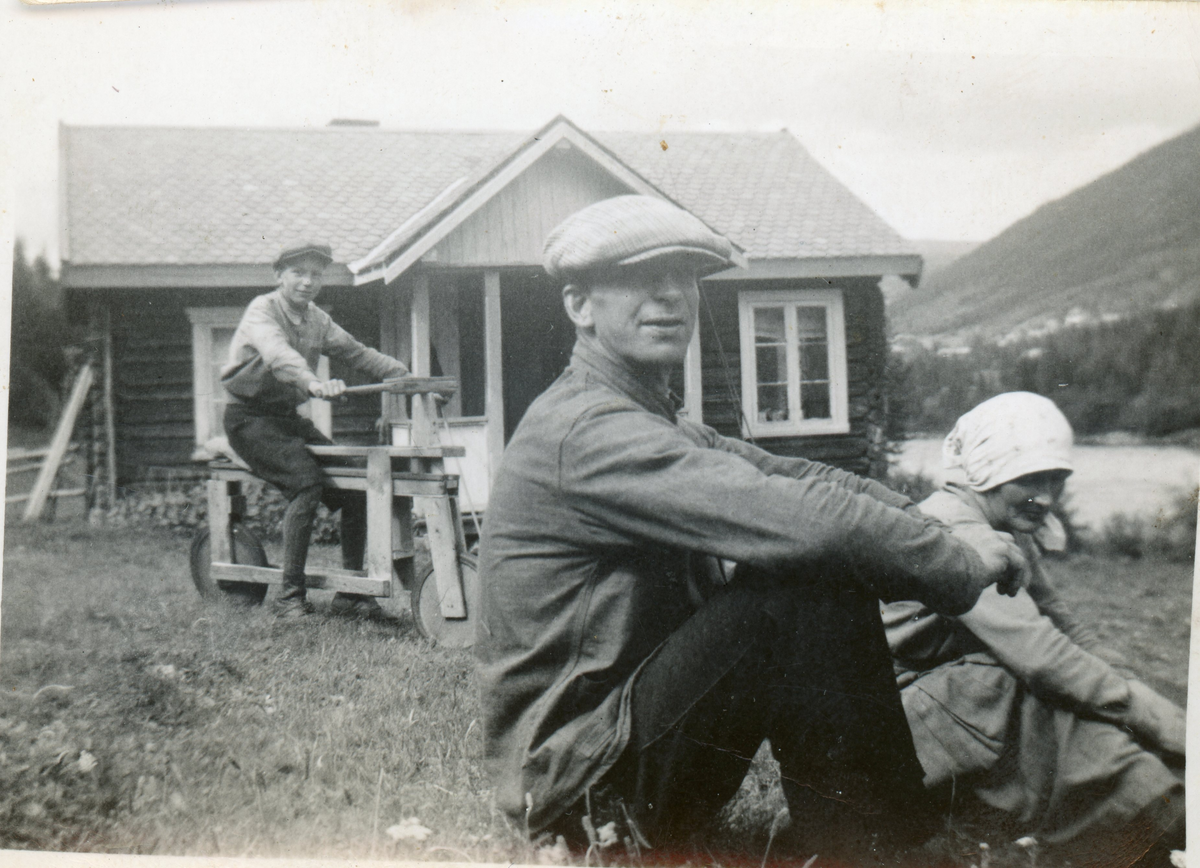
(862, 449)
(152, 346)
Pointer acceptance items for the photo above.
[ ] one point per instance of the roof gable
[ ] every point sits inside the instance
(396, 255)
(510, 228)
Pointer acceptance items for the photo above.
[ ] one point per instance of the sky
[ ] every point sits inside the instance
(951, 119)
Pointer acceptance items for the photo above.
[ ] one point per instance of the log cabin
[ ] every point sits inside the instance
(167, 233)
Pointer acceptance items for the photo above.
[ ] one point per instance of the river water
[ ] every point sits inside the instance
(1136, 480)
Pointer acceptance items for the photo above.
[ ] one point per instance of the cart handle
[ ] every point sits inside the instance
(444, 386)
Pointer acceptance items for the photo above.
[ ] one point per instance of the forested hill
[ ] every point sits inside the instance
(1127, 242)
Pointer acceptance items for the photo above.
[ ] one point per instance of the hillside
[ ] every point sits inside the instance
(1127, 242)
(939, 255)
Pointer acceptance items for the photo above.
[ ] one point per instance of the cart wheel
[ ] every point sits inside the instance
(246, 550)
(427, 607)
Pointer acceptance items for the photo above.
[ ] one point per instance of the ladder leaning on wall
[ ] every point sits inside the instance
(50, 460)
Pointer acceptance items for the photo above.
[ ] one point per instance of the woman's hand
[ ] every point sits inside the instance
(1156, 720)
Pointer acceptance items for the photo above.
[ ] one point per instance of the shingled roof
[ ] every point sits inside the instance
(154, 196)
(762, 190)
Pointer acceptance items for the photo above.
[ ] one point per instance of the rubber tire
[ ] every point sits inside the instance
(427, 607)
(246, 550)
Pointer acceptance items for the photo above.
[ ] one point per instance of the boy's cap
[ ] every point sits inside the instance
(626, 230)
(303, 248)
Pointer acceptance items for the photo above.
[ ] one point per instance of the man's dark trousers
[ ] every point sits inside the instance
(799, 659)
(271, 439)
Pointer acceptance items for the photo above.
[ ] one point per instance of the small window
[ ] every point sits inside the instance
(793, 362)
(212, 333)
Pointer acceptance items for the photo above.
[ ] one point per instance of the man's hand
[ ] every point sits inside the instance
(1004, 560)
(328, 389)
(1004, 564)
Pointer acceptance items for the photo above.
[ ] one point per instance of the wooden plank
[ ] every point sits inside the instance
(418, 488)
(204, 277)
(345, 581)
(437, 483)
(110, 419)
(388, 343)
(220, 543)
(439, 528)
(403, 343)
(403, 550)
(95, 454)
(61, 492)
(400, 488)
(460, 532)
(418, 485)
(408, 386)
(422, 423)
(379, 517)
(58, 446)
(19, 454)
(392, 451)
(493, 407)
(11, 468)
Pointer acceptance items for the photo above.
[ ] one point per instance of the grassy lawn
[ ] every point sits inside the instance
(137, 718)
(217, 731)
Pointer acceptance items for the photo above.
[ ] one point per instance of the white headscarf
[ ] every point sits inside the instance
(1008, 436)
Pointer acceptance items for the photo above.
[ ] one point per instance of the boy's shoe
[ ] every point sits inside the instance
(293, 603)
(356, 606)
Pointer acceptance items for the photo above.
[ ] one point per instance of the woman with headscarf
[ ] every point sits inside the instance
(1012, 702)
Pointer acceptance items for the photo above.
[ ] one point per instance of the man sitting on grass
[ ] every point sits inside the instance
(625, 678)
(270, 373)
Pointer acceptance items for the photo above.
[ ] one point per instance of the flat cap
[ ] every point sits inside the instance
(626, 230)
(303, 248)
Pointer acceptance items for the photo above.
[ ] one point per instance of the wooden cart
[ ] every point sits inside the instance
(401, 483)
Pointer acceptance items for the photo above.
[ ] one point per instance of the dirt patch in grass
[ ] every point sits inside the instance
(136, 717)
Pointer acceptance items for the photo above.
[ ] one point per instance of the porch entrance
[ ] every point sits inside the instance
(536, 338)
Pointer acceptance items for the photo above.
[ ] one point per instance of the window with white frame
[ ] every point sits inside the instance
(212, 333)
(793, 362)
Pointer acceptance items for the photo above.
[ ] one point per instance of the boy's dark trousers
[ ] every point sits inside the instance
(271, 439)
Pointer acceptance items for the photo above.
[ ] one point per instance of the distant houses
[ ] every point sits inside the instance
(167, 233)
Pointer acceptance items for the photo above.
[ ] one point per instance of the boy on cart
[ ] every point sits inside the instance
(272, 360)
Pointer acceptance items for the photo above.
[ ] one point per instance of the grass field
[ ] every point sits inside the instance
(137, 718)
